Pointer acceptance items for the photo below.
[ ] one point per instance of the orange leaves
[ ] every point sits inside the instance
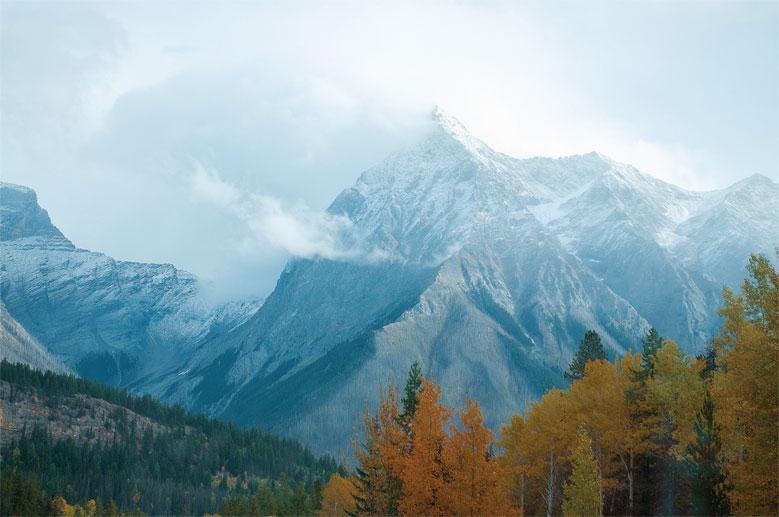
(440, 471)
(377, 485)
(423, 471)
(476, 479)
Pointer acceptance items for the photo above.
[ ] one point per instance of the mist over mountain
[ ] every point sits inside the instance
(113, 321)
(485, 268)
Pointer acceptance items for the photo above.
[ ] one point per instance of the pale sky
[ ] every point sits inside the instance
(144, 126)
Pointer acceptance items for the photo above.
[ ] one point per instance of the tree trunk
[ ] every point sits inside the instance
(522, 493)
(600, 476)
(630, 485)
(550, 485)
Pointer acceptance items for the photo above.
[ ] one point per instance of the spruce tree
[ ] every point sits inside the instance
(582, 491)
(651, 343)
(590, 349)
(704, 465)
(709, 358)
(369, 470)
(411, 394)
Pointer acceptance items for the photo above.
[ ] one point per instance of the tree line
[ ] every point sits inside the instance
(193, 467)
(652, 432)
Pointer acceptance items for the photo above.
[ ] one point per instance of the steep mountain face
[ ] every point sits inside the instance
(18, 346)
(109, 320)
(487, 270)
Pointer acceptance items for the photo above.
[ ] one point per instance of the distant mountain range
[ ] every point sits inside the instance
(485, 268)
(109, 320)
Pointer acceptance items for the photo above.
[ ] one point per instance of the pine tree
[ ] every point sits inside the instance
(709, 360)
(650, 345)
(411, 395)
(582, 491)
(704, 465)
(590, 349)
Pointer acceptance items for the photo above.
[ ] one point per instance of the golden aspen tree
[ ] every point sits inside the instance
(745, 390)
(475, 481)
(544, 441)
(423, 473)
(61, 508)
(599, 403)
(582, 491)
(337, 497)
(514, 461)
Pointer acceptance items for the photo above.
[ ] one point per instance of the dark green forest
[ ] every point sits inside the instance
(192, 468)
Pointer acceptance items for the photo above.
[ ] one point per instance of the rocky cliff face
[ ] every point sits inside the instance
(109, 320)
(18, 346)
(78, 417)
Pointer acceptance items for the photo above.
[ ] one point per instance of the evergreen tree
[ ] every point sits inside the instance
(704, 465)
(651, 343)
(590, 349)
(582, 491)
(709, 359)
(369, 472)
(411, 394)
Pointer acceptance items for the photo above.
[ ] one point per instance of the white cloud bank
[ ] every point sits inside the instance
(107, 106)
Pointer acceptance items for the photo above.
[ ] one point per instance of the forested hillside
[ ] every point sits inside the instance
(68, 441)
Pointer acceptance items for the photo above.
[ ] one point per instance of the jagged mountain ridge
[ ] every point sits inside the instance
(113, 321)
(485, 268)
(491, 269)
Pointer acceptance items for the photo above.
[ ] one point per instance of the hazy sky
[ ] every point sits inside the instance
(211, 135)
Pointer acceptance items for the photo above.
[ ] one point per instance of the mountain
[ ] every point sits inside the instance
(105, 319)
(18, 346)
(486, 269)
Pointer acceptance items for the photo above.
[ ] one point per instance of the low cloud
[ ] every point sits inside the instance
(208, 186)
(294, 229)
(298, 230)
